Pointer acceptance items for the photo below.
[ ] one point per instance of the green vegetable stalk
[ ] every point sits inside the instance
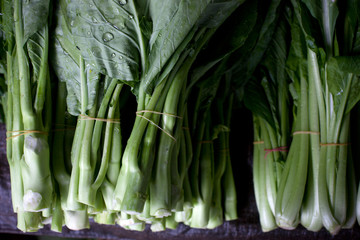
(28, 109)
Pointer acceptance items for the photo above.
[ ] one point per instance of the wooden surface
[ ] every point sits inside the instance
(246, 227)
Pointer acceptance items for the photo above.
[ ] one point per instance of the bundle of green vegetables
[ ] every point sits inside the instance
(312, 180)
(27, 106)
(97, 50)
(120, 111)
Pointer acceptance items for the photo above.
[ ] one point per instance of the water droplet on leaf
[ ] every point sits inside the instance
(113, 55)
(121, 57)
(94, 20)
(131, 16)
(107, 37)
(122, 2)
(88, 33)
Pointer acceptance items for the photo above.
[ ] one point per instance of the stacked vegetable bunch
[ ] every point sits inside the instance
(71, 157)
(307, 176)
(120, 111)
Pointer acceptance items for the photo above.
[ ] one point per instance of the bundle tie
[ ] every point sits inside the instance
(306, 132)
(24, 132)
(167, 133)
(278, 149)
(334, 144)
(85, 117)
(160, 113)
(258, 142)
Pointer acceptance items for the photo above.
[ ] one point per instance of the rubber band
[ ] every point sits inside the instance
(334, 144)
(160, 113)
(306, 132)
(206, 141)
(24, 132)
(278, 149)
(85, 117)
(258, 142)
(138, 115)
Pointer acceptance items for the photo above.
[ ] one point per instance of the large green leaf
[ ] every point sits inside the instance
(109, 33)
(35, 16)
(132, 40)
(66, 63)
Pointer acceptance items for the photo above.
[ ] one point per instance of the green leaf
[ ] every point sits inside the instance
(7, 23)
(65, 58)
(309, 25)
(230, 37)
(297, 59)
(326, 12)
(350, 24)
(336, 81)
(338, 70)
(348, 64)
(35, 16)
(209, 86)
(135, 40)
(354, 95)
(245, 60)
(217, 11)
(255, 100)
(109, 33)
(188, 15)
(271, 97)
(35, 47)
